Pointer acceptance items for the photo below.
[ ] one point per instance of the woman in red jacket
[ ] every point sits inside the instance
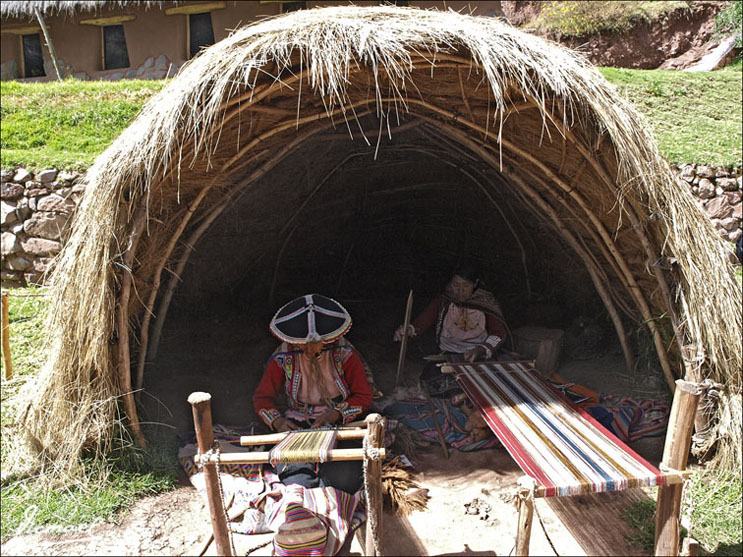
(324, 381)
(468, 323)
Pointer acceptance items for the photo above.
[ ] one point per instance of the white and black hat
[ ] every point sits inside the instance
(311, 318)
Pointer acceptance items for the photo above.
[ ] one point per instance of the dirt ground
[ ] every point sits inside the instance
(469, 511)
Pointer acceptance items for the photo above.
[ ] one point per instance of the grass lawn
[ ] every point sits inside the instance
(695, 116)
(26, 502)
(67, 124)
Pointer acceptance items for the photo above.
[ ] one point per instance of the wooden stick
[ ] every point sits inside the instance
(49, 44)
(526, 513)
(201, 405)
(6, 337)
(675, 455)
(375, 429)
(439, 433)
(262, 457)
(122, 325)
(404, 341)
(271, 438)
(211, 535)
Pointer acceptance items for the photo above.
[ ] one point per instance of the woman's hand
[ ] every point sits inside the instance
(399, 332)
(475, 354)
(328, 418)
(283, 424)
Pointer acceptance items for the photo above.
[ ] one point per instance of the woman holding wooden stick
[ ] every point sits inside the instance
(324, 380)
(469, 325)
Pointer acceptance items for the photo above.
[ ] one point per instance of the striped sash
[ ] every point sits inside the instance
(561, 446)
(304, 446)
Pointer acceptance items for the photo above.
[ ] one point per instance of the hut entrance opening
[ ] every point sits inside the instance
(362, 219)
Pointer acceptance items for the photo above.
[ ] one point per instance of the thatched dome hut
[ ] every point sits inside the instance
(358, 152)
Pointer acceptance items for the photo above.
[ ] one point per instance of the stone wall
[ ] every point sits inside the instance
(35, 213)
(36, 210)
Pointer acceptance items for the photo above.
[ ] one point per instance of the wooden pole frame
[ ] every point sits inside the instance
(373, 437)
(49, 44)
(675, 456)
(201, 405)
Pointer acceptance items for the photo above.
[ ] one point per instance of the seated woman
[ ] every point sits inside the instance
(324, 381)
(468, 321)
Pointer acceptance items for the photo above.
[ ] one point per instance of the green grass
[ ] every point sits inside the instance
(110, 485)
(716, 520)
(579, 19)
(695, 116)
(66, 124)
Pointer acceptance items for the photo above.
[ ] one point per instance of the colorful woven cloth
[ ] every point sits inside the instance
(420, 416)
(561, 446)
(304, 446)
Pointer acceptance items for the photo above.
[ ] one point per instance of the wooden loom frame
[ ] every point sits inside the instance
(371, 431)
(672, 467)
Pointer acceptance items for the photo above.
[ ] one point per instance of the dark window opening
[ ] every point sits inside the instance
(201, 33)
(33, 59)
(287, 7)
(115, 54)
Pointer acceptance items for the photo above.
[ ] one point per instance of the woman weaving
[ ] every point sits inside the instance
(469, 325)
(324, 380)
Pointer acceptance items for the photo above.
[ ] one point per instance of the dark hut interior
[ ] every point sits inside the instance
(364, 219)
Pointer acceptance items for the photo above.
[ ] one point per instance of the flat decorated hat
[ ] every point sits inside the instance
(311, 318)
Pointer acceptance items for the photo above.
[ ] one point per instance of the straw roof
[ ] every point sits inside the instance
(536, 126)
(13, 8)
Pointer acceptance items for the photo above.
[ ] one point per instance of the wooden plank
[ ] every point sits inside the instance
(24, 30)
(195, 8)
(375, 426)
(112, 20)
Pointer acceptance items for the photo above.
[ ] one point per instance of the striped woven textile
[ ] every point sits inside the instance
(561, 446)
(304, 446)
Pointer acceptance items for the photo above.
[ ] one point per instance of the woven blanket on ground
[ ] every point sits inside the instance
(418, 415)
(558, 444)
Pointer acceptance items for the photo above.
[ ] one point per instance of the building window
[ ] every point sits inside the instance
(287, 7)
(33, 59)
(200, 32)
(115, 54)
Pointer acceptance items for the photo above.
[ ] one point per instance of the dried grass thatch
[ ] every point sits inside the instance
(534, 125)
(17, 9)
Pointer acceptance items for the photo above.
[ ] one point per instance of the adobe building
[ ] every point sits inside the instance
(139, 40)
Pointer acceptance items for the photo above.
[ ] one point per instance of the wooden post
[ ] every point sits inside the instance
(404, 341)
(675, 455)
(375, 432)
(526, 513)
(48, 39)
(201, 404)
(6, 336)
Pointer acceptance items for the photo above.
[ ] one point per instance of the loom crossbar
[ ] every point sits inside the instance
(261, 457)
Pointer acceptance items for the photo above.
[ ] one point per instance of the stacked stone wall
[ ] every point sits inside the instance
(36, 210)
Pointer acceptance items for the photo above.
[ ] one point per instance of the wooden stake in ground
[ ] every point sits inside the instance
(404, 341)
(373, 538)
(6, 336)
(525, 499)
(675, 455)
(201, 404)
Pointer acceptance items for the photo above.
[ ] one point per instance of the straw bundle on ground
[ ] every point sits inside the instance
(531, 127)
